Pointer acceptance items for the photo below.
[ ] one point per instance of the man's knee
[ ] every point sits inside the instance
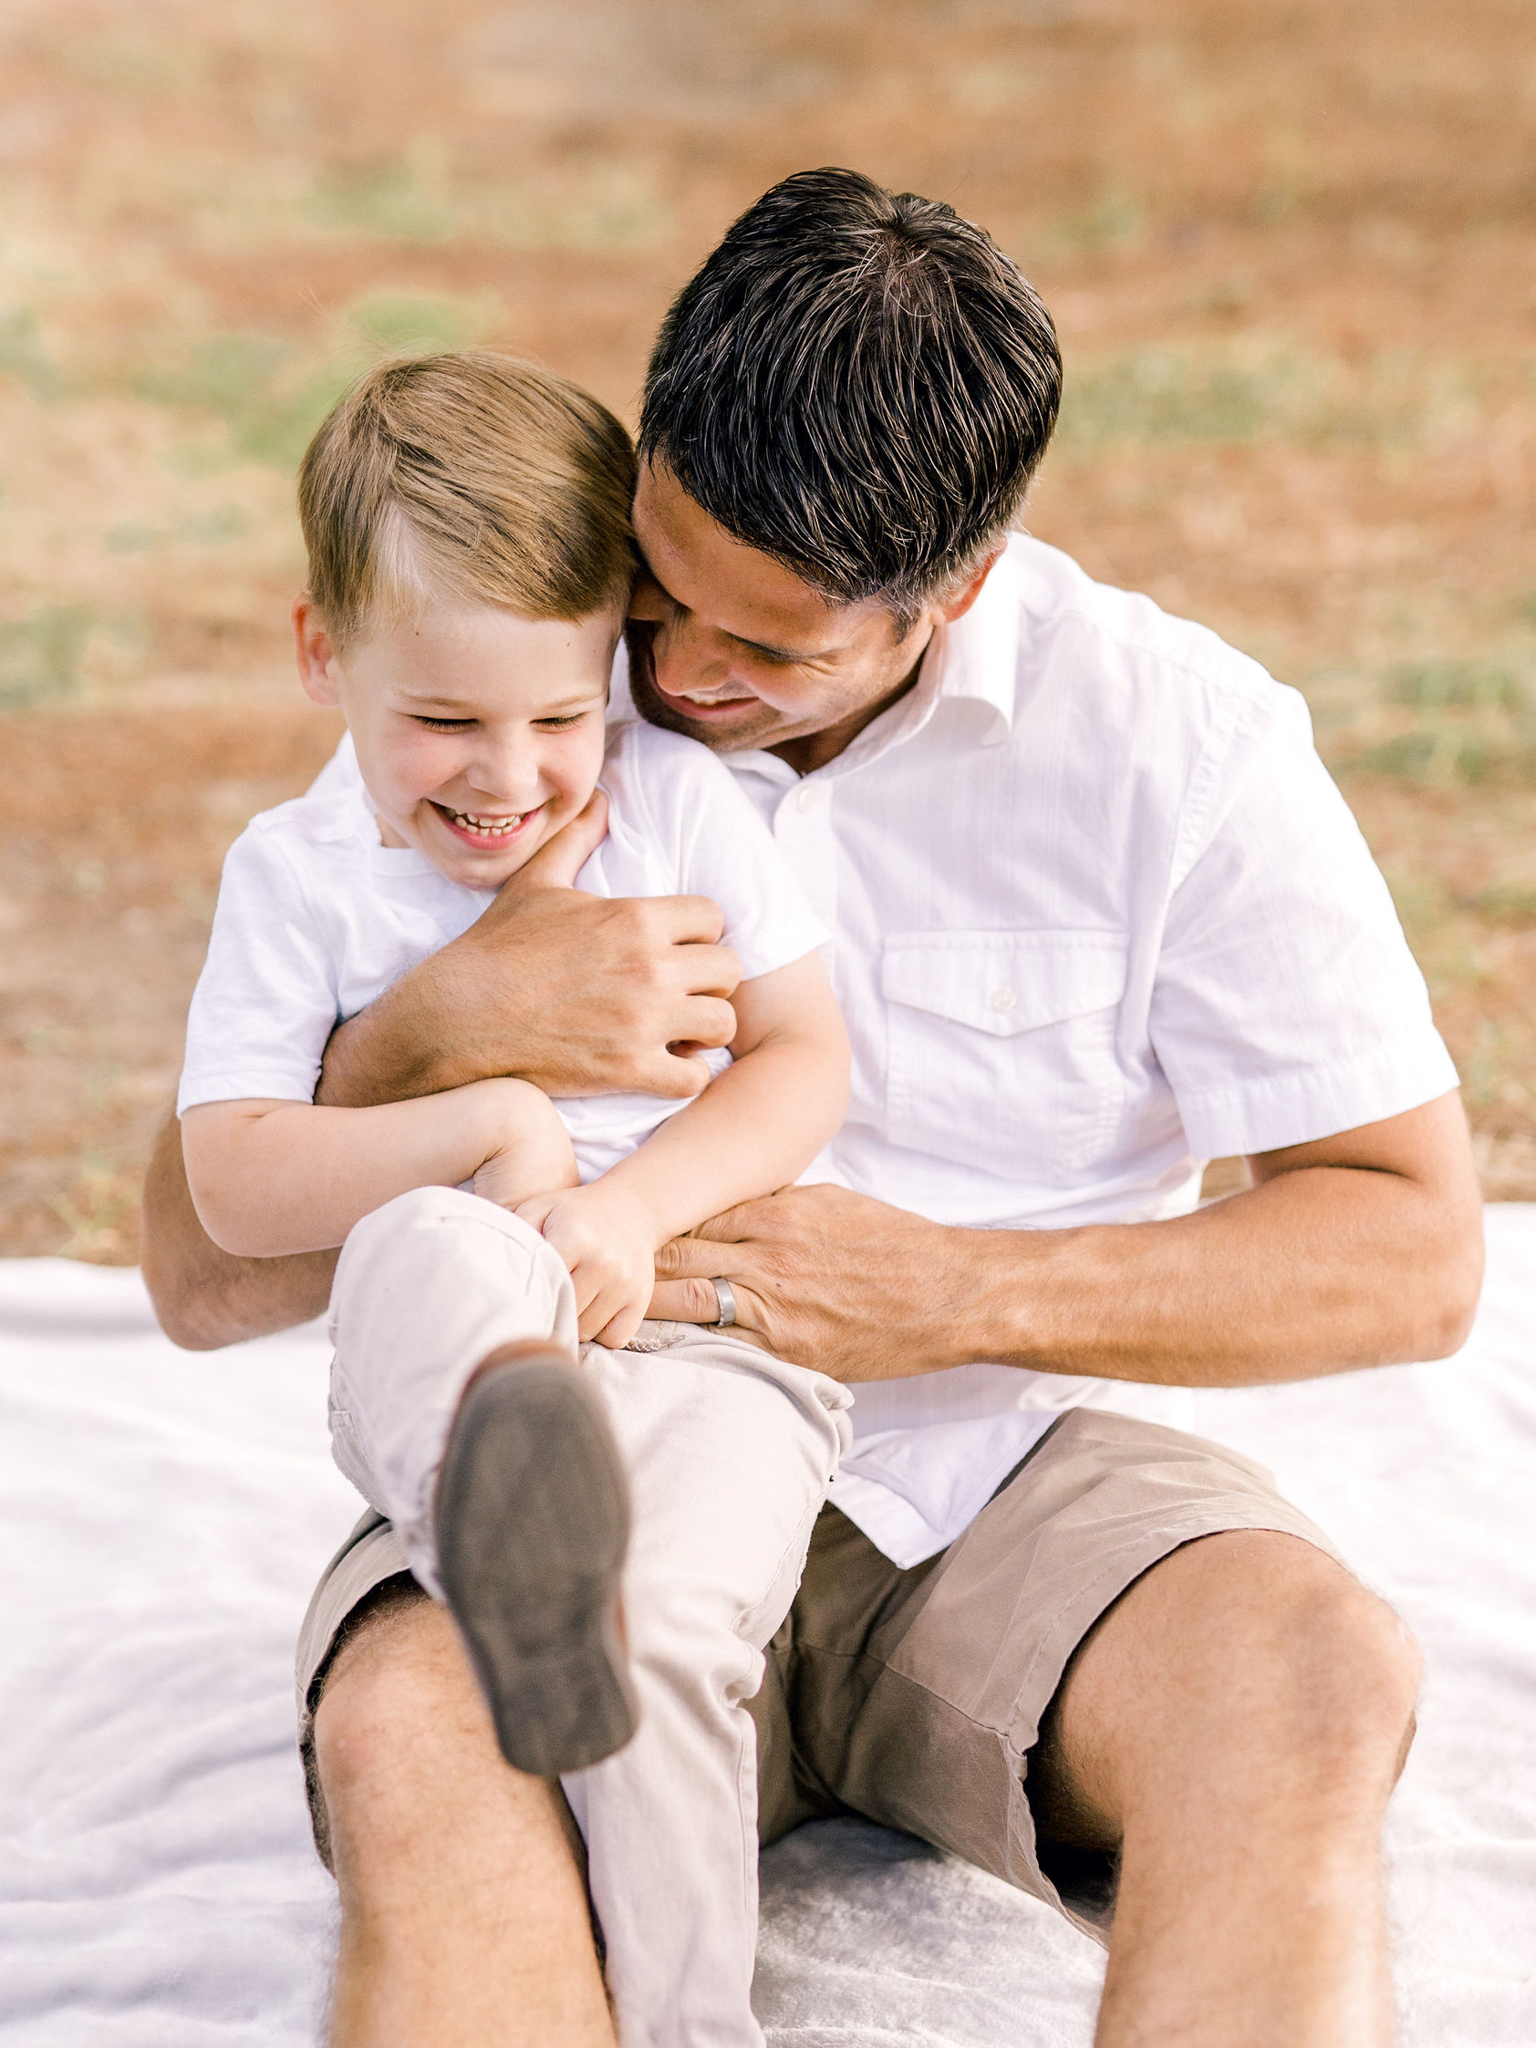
(397, 1689)
(1249, 1659)
(1318, 1662)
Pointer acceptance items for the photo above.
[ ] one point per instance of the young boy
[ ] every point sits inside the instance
(470, 557)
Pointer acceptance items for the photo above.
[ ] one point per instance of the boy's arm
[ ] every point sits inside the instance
(760, 1123)
(270, 1179)
(205, 1298)
(757, 1126)
(578, 994)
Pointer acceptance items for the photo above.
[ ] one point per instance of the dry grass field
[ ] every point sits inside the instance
(1290, 245)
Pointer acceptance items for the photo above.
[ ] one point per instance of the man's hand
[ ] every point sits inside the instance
(1360, 1249)
(579, 994)
(825, 1278)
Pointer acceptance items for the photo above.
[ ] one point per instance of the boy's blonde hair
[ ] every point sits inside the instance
(470, 476)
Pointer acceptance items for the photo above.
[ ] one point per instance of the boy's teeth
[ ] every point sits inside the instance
(490, 827)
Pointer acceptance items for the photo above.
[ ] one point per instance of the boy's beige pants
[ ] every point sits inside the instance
(730, 1453)
(912, 1696)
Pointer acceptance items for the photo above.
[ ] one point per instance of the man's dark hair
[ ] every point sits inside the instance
(858, 383)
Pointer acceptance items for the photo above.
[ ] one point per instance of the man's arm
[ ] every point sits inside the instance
(578, 994)
(205, 1297)
(1361, 1249)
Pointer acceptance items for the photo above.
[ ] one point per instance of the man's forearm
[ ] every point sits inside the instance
(1316, 1272)
(1357, 1250)
(205, 1297)
(397, 1049)
(1364, 1249)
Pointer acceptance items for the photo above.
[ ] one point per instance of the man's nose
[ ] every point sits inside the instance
(691, 657)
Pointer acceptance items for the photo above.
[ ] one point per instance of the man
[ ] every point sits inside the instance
(1098, 914)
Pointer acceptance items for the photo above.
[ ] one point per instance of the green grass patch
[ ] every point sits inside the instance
(413, 323)
(1459, 685)
(1437, 931)
(265, 394)
(1115, 220)
(1179, 395)
(40, 656)
(1507, 904)
(215, 528)
(1450, 721)
(271, 395)
(415, 201)
(1450, 753)
(1255, 390)
(23, 356)
(393, 203)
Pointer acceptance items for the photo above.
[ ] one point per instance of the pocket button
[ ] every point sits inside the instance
(1003, 999)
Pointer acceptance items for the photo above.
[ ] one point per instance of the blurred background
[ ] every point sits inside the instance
(1290, 246)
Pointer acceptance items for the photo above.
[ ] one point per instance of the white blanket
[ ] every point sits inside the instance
(162, 1518)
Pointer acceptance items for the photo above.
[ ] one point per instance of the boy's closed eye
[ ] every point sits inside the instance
(559, 723)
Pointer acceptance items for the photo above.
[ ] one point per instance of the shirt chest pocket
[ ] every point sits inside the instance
(1002, 1047)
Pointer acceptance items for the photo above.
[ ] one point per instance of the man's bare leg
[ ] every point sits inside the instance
(464, 1917)
(1234, 1727)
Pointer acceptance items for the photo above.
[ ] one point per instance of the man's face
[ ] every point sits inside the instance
(732, 648)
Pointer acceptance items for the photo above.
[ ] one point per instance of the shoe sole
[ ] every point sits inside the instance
(532, 1526)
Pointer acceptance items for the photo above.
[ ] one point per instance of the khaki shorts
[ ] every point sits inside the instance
(912, 1696)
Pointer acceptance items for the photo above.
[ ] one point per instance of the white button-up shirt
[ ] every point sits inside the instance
(1099, 915)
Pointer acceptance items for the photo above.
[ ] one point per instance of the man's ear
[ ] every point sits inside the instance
(957, 605)
(316, 655)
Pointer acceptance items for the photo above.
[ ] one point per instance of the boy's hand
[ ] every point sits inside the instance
(527, 1145)
(608, 1243)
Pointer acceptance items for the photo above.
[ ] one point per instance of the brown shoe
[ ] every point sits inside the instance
(532, 1521)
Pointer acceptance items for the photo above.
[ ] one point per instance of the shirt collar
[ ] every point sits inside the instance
(974, 660)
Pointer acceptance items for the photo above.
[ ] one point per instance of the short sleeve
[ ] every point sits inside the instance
(265, 1003)
(723, 850)
(1287, 1005)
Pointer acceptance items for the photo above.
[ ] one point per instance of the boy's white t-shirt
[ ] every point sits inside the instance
(316, 918)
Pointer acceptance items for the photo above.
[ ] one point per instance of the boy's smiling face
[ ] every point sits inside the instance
(479, 733)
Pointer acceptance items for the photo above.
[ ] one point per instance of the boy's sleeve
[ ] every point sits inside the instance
(265, 1003)
(725, 851)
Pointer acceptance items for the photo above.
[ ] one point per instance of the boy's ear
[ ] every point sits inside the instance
(316, 655)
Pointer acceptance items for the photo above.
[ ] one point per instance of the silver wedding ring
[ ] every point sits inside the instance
(725, 1295)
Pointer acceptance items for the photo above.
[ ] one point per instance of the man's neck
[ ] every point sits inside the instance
(813, 750)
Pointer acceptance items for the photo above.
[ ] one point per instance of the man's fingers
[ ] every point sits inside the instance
(687, 1301)
(710, 973)
(687, 1259)
(708, 1251)
(669, 1074)
(691, 921)
(556, 865)
(705, 1020)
